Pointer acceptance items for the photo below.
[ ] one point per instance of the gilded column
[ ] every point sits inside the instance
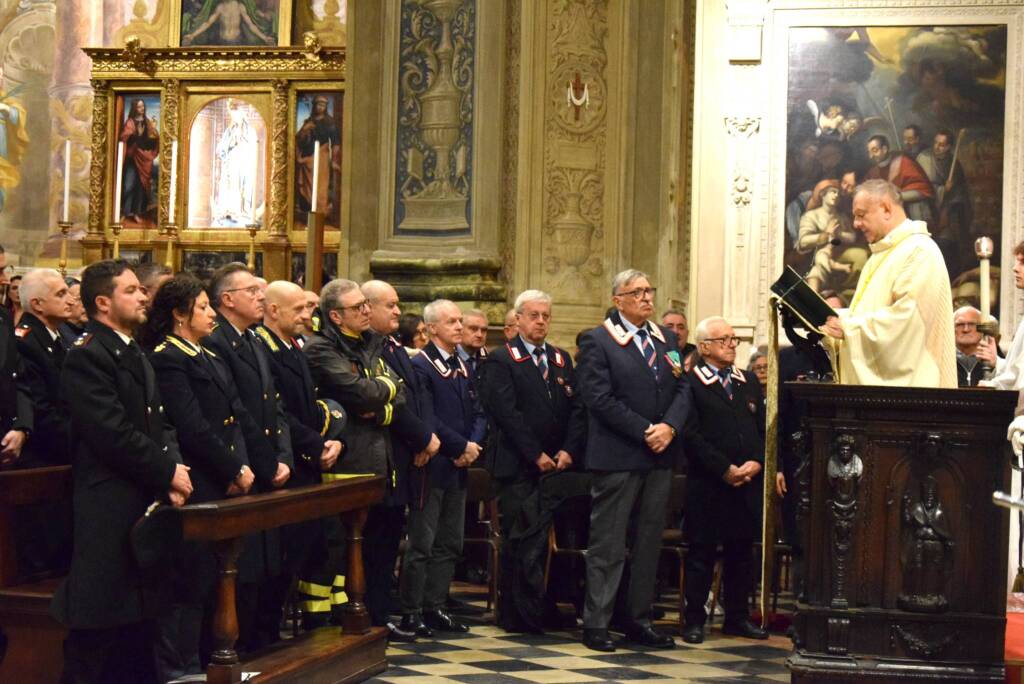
(169, 104)
(278, 224)
(97, 169)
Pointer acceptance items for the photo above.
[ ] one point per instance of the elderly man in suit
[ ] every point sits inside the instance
(630, 380)
(126, 455)
(725, 447)
(436, 520)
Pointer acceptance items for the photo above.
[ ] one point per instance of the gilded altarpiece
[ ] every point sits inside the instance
(233, 113)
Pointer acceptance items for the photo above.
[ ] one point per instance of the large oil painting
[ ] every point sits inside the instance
(138, 117)
(318, 120)
(229, 22)
(920, 106)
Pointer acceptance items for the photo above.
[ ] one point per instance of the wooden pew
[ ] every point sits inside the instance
(328, 654)
(34, 639)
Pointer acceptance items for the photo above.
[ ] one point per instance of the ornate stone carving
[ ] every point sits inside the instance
(575, 158)
(927, 551)
(435, 118)
(742, 126)
(741, 190)
(845, 469)
(312, 44)
(98, 168)
(222, 60)
(278, 224)
(170, 125)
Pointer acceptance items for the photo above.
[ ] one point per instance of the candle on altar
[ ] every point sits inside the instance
(174, 182)
(67, 178)
(983, 248)
(316, 174)
(117, 182)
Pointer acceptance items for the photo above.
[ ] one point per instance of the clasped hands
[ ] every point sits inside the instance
(560, 462)
(10, 446)
(658, 437)
(737, 476)
(422, 458)
(471, 453)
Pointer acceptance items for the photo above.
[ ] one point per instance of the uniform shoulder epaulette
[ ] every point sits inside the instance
(188, 350)
(265, 336)
(83, 339)
(22, 330)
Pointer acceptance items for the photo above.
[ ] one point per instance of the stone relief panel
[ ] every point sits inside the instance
(435, 117)
(575, 162)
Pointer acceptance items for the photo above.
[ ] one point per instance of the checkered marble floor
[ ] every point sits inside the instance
(489, 655)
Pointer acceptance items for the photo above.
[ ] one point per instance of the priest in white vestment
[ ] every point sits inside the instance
(898, 329)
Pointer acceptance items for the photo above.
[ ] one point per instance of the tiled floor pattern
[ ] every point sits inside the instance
(489, 655)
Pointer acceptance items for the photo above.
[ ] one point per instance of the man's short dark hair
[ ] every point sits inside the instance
(881, 140)
(1019, 249)
(674, 312)
(98, 281)
(946, 133)
(148, 272)
(915, 128)
(221, 280)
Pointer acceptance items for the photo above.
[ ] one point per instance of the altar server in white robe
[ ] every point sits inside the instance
(898, 330)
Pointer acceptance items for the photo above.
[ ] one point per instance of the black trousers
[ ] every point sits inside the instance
(382, 535)
(110, 655)
(737, 577)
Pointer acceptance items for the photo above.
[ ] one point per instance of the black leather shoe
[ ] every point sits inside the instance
(413, 624)
(745, 629)
(443, 622)
(647, 636)
(396, 633)
(598, 640)
(693, 634)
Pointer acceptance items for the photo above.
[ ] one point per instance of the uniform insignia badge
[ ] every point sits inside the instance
(673, 361)
(752, 406)
(21, 331)
(559, 361)
(517, 355)
(560, 380)
(336, 414)
(83, 339)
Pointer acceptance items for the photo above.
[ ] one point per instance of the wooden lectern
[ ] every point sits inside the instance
(905, 553)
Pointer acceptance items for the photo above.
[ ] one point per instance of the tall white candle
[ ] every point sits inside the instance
(316, 174)
(117, 182)
(174, 182)
(67, 178)
(986, 289)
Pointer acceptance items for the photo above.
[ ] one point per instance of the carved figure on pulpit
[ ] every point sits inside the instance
(237, 151)
(845, 469)
(927, 552)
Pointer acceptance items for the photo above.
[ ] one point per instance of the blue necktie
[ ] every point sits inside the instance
(542, 363)
(648, 349)
(723, 374)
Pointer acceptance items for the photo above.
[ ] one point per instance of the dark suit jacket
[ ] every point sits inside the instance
(623, 397)
(458, 418)
(42, 358)
(411, 428)
(298, 397)
(530, 416)
(255, 384)
(124, 457)
(721, 432)
(15, 395)
(212, 424)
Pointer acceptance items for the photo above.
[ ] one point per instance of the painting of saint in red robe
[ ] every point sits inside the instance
(140, 133)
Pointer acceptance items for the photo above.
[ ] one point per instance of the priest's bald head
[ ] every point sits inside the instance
(285, 311)
(877, 209)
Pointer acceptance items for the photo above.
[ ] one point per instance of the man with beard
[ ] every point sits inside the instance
(126, 455)
(952, 195)
(916, 191)
(319, 127)
(141, 137)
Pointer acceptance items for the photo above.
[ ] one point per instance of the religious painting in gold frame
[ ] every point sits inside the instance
(227, 165)
(231, 23)
(137, 117)
(317, 119)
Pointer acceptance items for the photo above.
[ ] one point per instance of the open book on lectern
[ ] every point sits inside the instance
(800, 298)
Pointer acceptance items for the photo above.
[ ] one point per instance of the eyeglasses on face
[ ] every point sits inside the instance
(252, 290)
(358, 306)
(966, 325)
(640, 293)
(725, 341)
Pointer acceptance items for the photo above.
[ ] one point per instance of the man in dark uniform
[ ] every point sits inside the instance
(347, 363)
(725, 446)
(436, 521)
(239, 301)
(75, 324)
(285, 317)
(629, 378)
(413, 442)
(528, 390)
(474, 335)
(15, 396)
(125, 457)
(47, 304)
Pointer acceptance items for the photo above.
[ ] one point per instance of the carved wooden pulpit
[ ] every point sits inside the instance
(905, 554)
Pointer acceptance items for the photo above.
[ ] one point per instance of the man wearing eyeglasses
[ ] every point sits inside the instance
(725, 448)
(975, 352)
(239, 301)
(630, 378)
(346, 359)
